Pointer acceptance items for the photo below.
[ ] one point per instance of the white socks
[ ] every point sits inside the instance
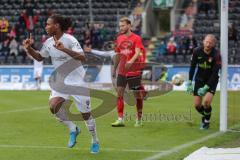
(62, 117)
(90, 123)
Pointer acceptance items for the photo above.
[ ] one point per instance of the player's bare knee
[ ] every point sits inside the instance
(138, 95)
(197, 104)
(120, 94)
(207, 103)
(120, 91)
(55, 104)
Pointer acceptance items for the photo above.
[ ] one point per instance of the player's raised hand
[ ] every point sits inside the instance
(59, 45)
(28, 42)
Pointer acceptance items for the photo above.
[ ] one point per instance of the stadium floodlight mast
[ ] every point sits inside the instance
(224, 70)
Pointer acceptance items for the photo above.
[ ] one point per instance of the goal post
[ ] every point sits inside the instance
(224, 70)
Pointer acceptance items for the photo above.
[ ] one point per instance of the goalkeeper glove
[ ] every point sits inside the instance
(189, 87)
(202, 91)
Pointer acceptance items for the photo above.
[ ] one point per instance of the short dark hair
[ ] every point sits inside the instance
(64, 22)
(125, 19)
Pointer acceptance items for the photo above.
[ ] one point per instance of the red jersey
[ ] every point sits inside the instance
(125, 47)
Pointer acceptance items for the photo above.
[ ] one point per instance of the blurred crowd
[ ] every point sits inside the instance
(179, 45)
(11, 36)
(33, 20)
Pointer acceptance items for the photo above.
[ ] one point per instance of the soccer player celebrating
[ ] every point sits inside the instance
(208, 62)
(128, 63)
(62, 47)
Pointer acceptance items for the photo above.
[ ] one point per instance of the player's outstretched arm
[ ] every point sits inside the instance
(191, 73)
(103, 53)
(193, 65)
(29, 50)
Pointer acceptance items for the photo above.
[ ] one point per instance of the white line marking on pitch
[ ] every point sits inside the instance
(65, 148)
(183, 146)
(23, 110)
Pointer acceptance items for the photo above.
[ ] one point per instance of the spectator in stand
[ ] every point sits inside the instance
(12, 32)
(162, 49)
(96, 37)
(138, 9)
(28, 6)
(233, 32)
(21, 52)
(4, 24)
(28, 16)
(191, 43)
(103, 32)
(171, 47)
(5, 48)
(137, 24)
(13, 46)
(33, 20)
(70, 30)
(22, 20)
(184, 20)
(87, 39)
(23, 23)
(180, 46)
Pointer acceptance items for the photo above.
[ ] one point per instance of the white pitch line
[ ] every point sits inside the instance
(232, 130)
(75, 148)
(183, 146)
(23, 110)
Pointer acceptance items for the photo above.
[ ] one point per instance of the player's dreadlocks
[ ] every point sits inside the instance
(64, 22)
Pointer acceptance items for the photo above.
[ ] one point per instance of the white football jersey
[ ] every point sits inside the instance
(58, 57)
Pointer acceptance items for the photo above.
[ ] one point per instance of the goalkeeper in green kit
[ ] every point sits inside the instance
(208, 62)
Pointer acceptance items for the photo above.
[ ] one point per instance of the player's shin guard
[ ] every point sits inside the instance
(200, 109)
(139, 108)
(91, 125)
(120, 107)
(61, 115)
(207, 113)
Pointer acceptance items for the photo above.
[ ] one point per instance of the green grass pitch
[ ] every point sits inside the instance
(29, 132)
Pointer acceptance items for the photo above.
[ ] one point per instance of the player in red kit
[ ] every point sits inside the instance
(129, 62)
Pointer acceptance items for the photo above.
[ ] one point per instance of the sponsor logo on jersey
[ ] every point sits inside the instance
(126, 47)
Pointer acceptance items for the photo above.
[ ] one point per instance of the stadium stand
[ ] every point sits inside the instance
(206, 20)
(23, 16)
(26, 16)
